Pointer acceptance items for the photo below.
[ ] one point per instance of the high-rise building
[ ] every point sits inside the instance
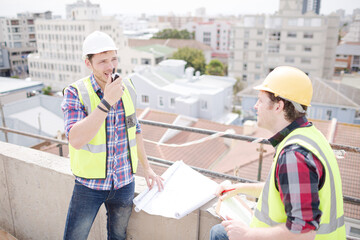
(17, 36)
(58, 60)
(311, 5)
(259, 43)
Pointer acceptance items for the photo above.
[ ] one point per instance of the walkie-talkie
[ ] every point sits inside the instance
(114, 75)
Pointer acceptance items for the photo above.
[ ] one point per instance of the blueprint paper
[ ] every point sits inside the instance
(184, 191)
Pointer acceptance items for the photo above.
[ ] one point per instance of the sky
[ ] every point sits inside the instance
(9, 8)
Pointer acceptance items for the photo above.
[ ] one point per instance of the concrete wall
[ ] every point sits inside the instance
(35, 191)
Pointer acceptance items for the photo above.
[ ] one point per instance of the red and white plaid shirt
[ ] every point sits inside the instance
(299, 177)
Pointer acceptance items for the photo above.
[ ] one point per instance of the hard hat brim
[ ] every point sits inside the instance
(263, 88)
(101, 50)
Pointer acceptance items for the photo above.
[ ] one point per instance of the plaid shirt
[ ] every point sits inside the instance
(299, 177)
(118, 162)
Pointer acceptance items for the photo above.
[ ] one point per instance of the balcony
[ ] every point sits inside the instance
(37, 186)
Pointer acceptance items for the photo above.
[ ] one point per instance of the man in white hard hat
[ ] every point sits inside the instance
(105, 142)
(302, 196)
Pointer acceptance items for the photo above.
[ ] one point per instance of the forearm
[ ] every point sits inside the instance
(83, 131)
(251, 189)
(141, 151)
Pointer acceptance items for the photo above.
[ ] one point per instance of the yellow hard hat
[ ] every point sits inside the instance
(289, 83)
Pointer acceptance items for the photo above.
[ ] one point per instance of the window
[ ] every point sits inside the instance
(307, 49)
(308, 35)
(133, 61)
(293, 22)
(258, 54)
(244, 77)
(354, 231)
(258, 65)
(274, 48)
(259, 32)
(246, 34)
(246, 44)
(306, 60)
(244, 66)
(274, 36)
(289, 60)
(291, 34)
(258, 43)
(144, 99)
(161, 101)
(290, 47)
(328, 114)
(172, 102)
(145, 61)
(203, 105)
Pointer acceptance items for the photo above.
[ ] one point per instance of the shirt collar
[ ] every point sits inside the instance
(278, 137)
(94, 83)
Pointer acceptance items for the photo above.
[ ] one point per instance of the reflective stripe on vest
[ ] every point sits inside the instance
(335, 217)
(90, 161)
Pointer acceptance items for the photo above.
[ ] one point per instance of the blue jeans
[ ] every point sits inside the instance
(218, 232)
(85, 204)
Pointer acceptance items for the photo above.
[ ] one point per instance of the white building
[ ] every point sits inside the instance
(149, 55)
(83, 10)
(171, 88)
(215, 34)
(262, 42)
(354, 30)
(58, 61)
(17, 36)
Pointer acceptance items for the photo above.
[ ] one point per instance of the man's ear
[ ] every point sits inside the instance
(280, 106)
(88, 64)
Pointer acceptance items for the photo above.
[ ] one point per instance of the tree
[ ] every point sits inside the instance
(239, 85)
(215, 67)
(173, 33)
(193, 57)
(47, 90)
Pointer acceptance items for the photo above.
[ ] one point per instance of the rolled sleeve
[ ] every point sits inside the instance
(72, 108)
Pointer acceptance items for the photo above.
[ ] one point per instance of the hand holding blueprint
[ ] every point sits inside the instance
(184, 191)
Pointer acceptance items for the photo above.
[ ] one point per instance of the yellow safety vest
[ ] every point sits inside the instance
(270, 209)
(90, 161)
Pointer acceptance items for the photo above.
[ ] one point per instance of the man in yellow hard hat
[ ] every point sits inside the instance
(105, 142)
(302, 196)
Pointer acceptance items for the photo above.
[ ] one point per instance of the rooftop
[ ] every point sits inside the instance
(157, 49)
(10, 85)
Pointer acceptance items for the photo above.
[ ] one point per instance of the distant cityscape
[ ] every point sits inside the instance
(47, 49)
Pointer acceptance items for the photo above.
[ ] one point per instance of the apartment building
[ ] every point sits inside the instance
(353, 35)
(215, 34)
(58, 60)
(259, 43)
(17, 36)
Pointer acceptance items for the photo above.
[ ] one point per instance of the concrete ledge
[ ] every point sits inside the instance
(35, 191)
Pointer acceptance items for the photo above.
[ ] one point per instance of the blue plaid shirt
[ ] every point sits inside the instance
(118, 161)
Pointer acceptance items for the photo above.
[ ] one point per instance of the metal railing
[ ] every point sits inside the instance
(162, 162)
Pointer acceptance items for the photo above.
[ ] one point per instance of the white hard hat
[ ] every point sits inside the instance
(97, 42)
